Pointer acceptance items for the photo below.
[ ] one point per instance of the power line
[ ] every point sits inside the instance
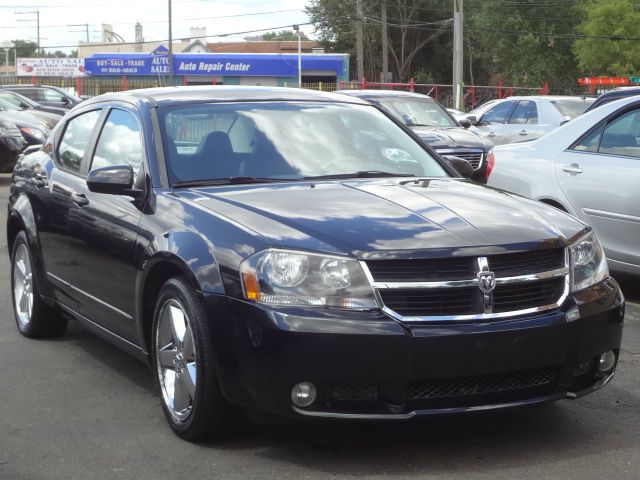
(179, 19)
(166, 40)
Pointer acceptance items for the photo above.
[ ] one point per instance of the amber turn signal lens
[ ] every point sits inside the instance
(251, 287)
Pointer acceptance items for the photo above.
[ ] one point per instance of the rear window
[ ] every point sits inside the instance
(571, 109)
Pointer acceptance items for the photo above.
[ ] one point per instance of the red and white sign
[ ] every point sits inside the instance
(50, 67)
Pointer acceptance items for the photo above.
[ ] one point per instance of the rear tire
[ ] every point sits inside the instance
(34, 318)
(184, 366)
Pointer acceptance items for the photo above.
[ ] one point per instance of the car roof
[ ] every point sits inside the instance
(381, 93)
(548, 97)
(166, 96)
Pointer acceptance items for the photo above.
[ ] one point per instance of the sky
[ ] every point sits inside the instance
(219, 17)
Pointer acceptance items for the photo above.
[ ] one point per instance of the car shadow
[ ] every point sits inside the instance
(630, 285)
(125, 365)
(488, 442)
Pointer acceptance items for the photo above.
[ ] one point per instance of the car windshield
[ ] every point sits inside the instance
(6, 104)
(415, 111)
(571, 108)
(266, 141)
(15, 100)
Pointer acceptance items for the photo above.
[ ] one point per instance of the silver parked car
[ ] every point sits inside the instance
(589, 168)
(521, 119)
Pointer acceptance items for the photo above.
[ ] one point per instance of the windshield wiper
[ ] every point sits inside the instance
(230, 181)
(360, 174)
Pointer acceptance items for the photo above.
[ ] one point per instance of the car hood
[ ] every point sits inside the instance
(451, 138)
(51, 119)
(390, 217)
(24, 119)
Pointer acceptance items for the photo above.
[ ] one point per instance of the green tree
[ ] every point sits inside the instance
(25, 48)
(283, 35)
(608, 23)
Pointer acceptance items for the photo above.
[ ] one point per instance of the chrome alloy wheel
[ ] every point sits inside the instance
(176, 359)
(22, 285)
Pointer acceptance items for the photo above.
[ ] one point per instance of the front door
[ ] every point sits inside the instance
(104, 229)
(600, 176)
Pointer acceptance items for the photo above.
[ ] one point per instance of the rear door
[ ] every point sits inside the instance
(600, 176)
(55, 201)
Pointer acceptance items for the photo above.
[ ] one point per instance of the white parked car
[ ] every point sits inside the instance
(589, 168)
(476, 113)
(521, 119)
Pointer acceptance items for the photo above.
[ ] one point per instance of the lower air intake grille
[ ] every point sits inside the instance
(481, 384)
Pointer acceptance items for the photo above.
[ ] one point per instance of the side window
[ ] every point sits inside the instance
(75, 139)
(591, 141)
(119, 142)
(52, 96)
(525, 113)
(620, 137)
(499, 113)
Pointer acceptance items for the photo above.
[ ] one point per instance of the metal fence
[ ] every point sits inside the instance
(473, 96)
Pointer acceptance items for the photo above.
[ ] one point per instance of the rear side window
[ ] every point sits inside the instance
(570, 108)
(75, 139)
(119, 142)
(525, 113)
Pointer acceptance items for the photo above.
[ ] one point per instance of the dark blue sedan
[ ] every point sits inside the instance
(303, 254)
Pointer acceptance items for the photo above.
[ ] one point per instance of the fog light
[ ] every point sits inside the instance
(607, 361)
(303, 394)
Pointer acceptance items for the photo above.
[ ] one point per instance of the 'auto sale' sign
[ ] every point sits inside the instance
(50, 67)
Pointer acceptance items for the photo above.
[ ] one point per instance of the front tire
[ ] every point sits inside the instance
(184, 366)
(33, 317)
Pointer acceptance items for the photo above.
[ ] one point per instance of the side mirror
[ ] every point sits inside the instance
(473, 119)
(31, 149)
(114, 180)
(464, 168)
(465, 123)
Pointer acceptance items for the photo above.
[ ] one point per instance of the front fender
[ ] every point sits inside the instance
(191, 252)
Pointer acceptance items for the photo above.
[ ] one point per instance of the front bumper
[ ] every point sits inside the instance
(367, 365)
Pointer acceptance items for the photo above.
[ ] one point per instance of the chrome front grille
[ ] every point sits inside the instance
(471, 288)
(473, 156)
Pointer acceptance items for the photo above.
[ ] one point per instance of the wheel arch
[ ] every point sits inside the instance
(22, 218)
(554, 203)
(173, 254)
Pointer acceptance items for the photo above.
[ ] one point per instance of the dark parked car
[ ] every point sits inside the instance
(11, 145)
(304, 254)
(14, 102)
(23, 102)
(433, 124)
(612, 95)
(31, 130)
(46, 95)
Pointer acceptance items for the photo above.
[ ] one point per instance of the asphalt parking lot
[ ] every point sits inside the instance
(78, 408)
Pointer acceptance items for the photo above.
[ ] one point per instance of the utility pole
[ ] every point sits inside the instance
(296, 28)
(85, 25)
(37, 13)
(170, 47)
(385, 44)
(458, 52)
(359, 48)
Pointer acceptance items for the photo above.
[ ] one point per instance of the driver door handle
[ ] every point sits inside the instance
(523, 133)
(573, 168)
(491, 134)
(79, 199)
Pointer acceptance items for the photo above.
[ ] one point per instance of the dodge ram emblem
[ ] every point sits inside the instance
(486, 281)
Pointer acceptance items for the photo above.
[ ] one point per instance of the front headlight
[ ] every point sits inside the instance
(287, 277)
(588, 263)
